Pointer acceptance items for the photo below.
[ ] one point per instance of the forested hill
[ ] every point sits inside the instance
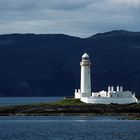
(48, 64)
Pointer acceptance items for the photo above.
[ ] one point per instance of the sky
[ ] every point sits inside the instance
(81, 18)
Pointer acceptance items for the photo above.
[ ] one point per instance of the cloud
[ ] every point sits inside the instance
(50, 4)
(135, 3)
(75, 17)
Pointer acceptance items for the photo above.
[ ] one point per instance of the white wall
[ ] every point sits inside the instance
(104, 100)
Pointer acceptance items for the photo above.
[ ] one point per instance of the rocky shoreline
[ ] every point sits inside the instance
(72, 107)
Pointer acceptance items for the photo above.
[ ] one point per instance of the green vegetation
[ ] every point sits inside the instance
(69, 101)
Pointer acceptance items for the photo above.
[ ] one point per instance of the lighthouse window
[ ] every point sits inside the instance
(85, 58)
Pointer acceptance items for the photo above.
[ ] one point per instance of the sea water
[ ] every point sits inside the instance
(6, 101)
(68, 128)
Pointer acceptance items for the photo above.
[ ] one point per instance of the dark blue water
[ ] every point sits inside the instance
(68, 128)
(26, 100)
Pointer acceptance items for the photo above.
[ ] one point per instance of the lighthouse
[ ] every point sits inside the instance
(85, 76)
(102, 97)
(85, 85)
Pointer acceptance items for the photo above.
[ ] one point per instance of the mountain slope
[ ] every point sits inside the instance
(48, 65)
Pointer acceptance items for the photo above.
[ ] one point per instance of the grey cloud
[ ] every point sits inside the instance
(70, 5)
(39, 4)
(132, 3)
(76, 17)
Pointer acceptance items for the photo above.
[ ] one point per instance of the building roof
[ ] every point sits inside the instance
(85, 55)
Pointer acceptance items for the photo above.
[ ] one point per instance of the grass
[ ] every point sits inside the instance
(64, 102)
(70, 101)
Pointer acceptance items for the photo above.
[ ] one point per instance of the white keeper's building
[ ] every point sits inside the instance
(102, 97)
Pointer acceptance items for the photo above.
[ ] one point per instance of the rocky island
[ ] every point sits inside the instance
(72, 107)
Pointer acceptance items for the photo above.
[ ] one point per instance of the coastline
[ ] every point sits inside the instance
(73, 107)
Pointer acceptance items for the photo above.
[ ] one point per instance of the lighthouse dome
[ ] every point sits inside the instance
(85, 56)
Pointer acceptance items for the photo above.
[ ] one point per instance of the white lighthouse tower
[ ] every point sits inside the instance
(85, 76)
(85, 90)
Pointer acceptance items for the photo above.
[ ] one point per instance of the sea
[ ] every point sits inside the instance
(68, 128)
(8, 101)
(65, 127)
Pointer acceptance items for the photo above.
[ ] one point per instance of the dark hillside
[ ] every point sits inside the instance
(48, 65)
